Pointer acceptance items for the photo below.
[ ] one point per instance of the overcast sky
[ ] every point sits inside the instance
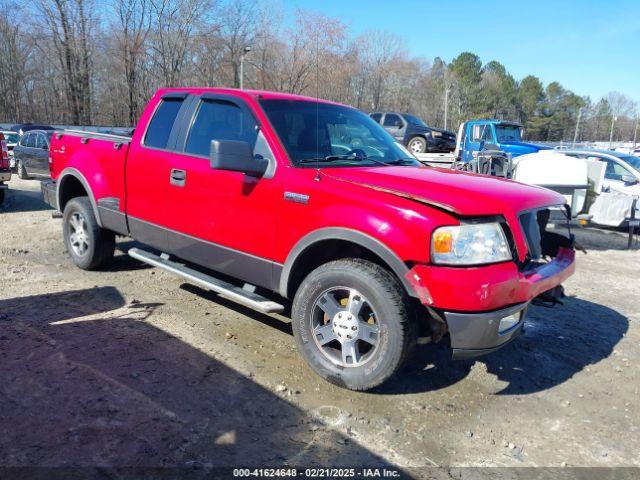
(591, 47)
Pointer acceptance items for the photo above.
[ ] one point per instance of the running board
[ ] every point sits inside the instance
(237, 294)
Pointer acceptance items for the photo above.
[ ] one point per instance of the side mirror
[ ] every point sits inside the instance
(629, 179)
(236, 156)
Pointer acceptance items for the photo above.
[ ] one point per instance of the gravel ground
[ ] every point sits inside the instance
(132, 367)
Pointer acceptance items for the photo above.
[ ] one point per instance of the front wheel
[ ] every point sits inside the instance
(89, 245)
(352, 323)
(417, 145)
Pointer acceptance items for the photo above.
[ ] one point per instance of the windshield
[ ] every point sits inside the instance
(320, 133)
(508, 133)
(414, 120)
(632, 161)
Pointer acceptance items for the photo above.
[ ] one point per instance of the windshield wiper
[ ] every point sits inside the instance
(402, 161)
(337, 158)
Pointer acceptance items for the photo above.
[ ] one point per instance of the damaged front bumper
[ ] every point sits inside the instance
(478, 304)
(475, 334)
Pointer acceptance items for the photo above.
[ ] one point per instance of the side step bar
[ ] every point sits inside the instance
(237, 294)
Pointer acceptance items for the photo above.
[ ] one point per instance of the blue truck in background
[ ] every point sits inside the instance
(477, 135)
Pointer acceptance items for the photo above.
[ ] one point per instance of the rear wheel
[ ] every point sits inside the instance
(417, 145)
(22, 171)
(352, 323)
(89, 245)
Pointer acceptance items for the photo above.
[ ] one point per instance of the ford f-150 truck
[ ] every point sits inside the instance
(245, 192)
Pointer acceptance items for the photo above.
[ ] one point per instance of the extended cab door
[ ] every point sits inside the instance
(148, 169)
(223, 220)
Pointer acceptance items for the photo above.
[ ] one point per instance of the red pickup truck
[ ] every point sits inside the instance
(244, 192)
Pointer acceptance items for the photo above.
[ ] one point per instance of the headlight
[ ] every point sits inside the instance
(470, 244)
(436, 134)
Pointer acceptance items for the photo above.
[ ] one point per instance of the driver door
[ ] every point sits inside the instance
(221, 219)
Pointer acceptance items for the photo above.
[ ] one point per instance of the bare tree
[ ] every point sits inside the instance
(240, 26)
(70, 28)
(380, 51)
(134, 22)
(175, 23)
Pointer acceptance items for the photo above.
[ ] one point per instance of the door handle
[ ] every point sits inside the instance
(178, 177)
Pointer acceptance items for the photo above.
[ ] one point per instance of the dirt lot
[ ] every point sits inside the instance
(132, 367)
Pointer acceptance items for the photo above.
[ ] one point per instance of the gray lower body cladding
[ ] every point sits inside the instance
(475, 334)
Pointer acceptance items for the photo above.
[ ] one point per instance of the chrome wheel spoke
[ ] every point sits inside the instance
(73, 239)
(350, 353)
(368, 333)
(355, 302)
(74, 222)
(324, 334)
(329, 305)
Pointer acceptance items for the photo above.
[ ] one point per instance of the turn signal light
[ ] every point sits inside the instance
(443, 242)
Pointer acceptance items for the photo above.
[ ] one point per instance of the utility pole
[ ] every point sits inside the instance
(613, 121)
(635, 134)
(575, 135)
(246, 50)
(446, 105)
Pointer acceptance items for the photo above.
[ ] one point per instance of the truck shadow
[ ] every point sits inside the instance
(555, 345)
(23, 200)
(88, 382)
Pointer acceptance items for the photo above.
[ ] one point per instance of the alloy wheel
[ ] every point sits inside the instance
(345, 327)
(78, 236)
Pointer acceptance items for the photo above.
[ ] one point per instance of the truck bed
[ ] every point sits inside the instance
(98, 159)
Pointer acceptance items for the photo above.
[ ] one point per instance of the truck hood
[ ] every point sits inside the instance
(460, 193)
(521, 148)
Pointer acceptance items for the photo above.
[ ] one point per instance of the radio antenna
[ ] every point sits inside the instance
(317, 178)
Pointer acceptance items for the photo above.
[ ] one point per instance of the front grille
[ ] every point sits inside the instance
(533, 224)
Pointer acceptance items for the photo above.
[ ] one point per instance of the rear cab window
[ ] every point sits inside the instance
(161, 124)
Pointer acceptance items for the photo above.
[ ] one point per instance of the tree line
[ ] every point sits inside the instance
(85, 62)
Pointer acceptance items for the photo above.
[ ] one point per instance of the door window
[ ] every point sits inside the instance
(161, 124)
(481, 133)
(219, 120)
(41, 142)
(392, 120)
(614, 170)
(28, 140)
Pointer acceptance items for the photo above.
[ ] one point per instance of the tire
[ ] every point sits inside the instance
(377, 293)
(417, 145)
(91, 247)
(22, 171)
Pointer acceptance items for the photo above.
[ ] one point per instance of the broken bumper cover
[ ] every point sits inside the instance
(475, 334)
(472, 300)
(49, 193)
